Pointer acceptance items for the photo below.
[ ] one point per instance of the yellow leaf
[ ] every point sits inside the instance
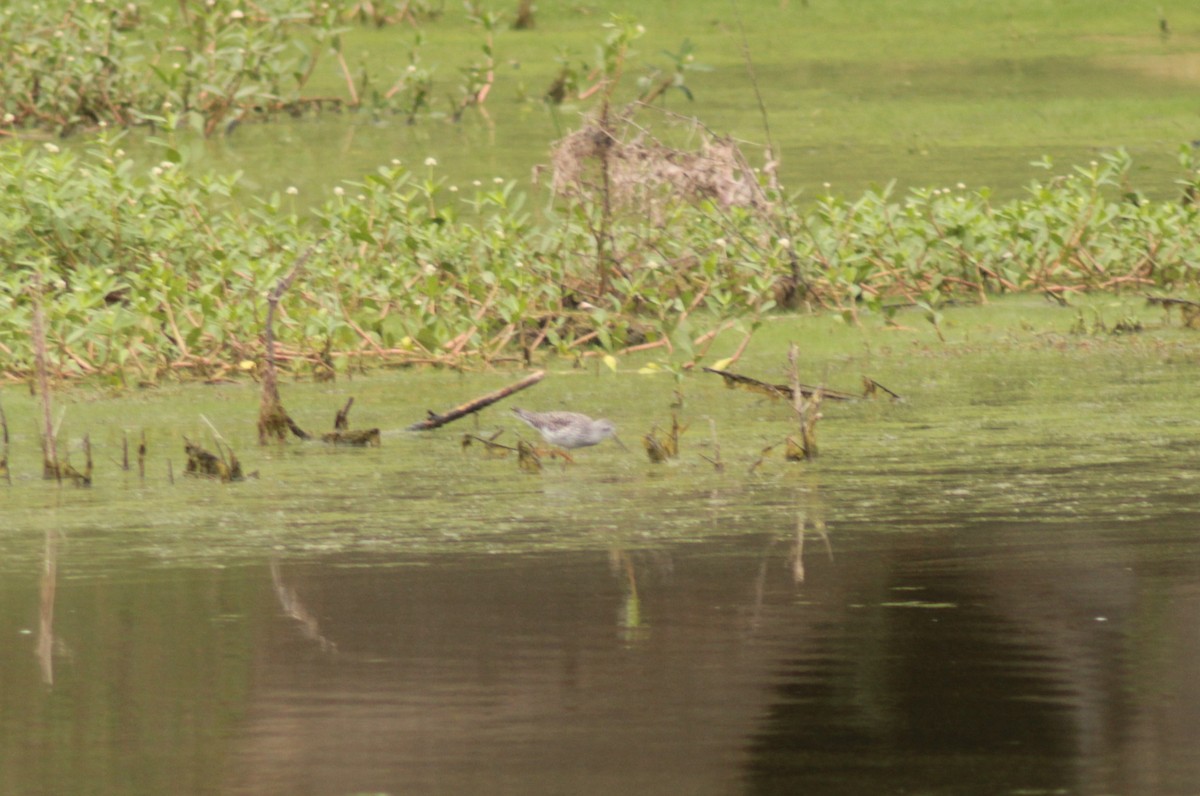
(721, 364)
(647, 370)
(611, 362)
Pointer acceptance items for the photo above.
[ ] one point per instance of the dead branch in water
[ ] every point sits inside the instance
(273, 419)
(715, 459)
(341, 421)
(1189, 311)
(342, 435)
(528, 459)
(4, 446)
(808, 412)
(871, 388)
(662, 445)
(777, 390)
(52, 467)
(362, 438)
(49, 444)
(490, 446)
(435, 420)
(203, 464)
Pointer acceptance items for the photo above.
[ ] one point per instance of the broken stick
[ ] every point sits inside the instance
(435, 420)
(273, 419)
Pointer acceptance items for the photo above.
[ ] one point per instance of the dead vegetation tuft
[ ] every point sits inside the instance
(643, 171)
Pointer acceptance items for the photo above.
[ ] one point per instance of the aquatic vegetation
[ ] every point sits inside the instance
(223, 465)
(150, 273)
(528, 459)
(662, 445)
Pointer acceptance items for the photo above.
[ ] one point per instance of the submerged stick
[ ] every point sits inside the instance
(777, 390)
(490, 446)
(362, 438)
(1189, 310)
(715, 459)
(435, 420)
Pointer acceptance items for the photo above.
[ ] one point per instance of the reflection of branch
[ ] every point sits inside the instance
(45, 641)
(797, 557)
(629, 617)
(760, 584)
(290, 602)
(798, 550)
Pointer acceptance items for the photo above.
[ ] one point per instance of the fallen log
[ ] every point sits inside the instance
(435, 420)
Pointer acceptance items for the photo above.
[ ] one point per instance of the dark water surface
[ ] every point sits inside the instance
(993, 587)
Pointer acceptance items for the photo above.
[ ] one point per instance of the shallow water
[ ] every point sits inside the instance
(991, 587)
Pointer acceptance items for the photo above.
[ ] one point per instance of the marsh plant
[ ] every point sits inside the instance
(154, 272)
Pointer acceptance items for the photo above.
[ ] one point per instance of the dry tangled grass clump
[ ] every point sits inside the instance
(643, 170)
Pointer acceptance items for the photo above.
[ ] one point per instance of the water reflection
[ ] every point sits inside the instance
(630, 622)
(985, 658)
(965, 664)
(462, 675)
(44, 648)
(810, 520)
(293, 607)
(809, 517)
